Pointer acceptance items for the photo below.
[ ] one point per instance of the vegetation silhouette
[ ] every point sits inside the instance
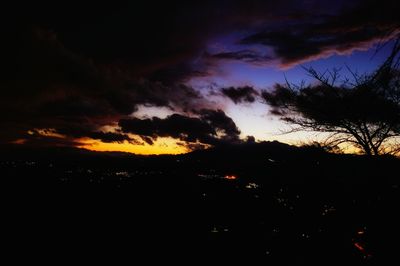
(363, 111)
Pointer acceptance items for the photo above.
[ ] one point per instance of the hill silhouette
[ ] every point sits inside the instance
(256, 201)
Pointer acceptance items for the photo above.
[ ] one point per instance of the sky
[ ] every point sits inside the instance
(167, 78)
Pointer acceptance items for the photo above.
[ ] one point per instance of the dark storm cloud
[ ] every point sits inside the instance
(46, 85)
(107, 137)
(158, 40)
(240, 94)
(46, 141)
(67, 66)
(178, 97)
(111, 137)
(247, 56)
(162, 41)
(209, 127)
(180, 73)
(359, 27)
(65, 131)
(221, 122)
(143, 36)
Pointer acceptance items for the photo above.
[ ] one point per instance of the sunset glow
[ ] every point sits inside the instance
(160, 146)
(199, 82)
(212, 131)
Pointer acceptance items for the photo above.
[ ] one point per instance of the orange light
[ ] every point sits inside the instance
(359, 247)
(230, 177)
(19, 141)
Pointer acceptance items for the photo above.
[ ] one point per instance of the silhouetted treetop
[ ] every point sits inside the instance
(363, 111)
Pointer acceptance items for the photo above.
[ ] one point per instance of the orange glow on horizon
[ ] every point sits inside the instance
(160, 146)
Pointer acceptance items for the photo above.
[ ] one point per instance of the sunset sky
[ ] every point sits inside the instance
(171, 77)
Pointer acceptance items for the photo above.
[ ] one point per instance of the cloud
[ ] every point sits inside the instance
(240, 94)
(247, 56)
(177, 97)
(146, 42)
(76, 76)
(357, 28)
(41, 141)
(221, 122)
(142, 37)
(180, 73)
(208, 127)
(49, 86)
(106, 137)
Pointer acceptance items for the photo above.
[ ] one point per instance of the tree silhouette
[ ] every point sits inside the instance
(363, 111)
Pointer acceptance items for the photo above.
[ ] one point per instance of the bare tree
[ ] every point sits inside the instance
(363, 110)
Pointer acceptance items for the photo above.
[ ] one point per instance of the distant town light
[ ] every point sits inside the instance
(359, 247)
(252, 185)
(214, 230)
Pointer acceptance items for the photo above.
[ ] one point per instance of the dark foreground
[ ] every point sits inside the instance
(261, 206)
